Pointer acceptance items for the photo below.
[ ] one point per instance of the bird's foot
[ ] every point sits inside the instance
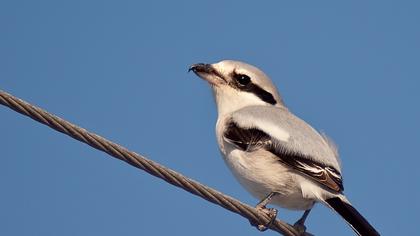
(271, 212)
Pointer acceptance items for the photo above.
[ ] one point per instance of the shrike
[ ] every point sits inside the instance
(276, 156)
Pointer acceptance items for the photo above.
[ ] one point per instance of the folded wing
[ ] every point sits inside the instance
(251, 139)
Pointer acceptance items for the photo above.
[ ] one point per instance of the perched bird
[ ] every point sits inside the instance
(275, 155)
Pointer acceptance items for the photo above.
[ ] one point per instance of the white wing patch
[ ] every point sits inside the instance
(274, 130)
(267, 127)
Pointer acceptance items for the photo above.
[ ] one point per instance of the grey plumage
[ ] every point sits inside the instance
(303, 138)
(304, 149)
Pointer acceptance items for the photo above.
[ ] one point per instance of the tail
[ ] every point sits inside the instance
(359, 224)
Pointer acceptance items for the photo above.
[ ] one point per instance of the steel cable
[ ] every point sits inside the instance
(143, 163)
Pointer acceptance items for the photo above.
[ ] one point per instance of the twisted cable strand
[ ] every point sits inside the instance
(143, 163)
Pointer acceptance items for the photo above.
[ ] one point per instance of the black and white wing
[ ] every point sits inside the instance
(253, 138)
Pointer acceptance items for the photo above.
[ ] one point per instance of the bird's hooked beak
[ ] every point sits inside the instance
(201, 67)
(208, 73)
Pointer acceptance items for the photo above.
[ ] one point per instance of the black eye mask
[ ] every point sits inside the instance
(244, 83)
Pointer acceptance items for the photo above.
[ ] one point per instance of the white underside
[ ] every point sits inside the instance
(260, 172)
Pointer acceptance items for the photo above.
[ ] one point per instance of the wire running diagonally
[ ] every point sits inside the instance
(143, 163)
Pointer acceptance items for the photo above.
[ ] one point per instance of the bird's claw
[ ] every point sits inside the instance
(271, 212)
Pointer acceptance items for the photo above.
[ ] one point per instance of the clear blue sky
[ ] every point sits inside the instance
(119, 68)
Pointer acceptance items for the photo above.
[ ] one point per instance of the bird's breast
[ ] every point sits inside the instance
(260, 174)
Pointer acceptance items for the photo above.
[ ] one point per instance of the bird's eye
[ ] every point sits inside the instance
(242, 79)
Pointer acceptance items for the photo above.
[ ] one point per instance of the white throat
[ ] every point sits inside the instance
(229, 100)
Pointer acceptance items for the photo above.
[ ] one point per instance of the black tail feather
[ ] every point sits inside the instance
(352, 216)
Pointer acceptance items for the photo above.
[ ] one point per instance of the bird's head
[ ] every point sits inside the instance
(236, 85)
